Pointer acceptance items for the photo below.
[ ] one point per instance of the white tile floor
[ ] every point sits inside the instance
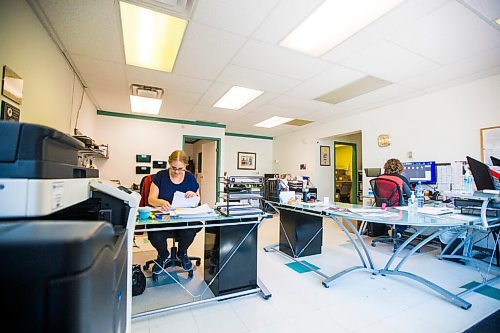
(358, 302)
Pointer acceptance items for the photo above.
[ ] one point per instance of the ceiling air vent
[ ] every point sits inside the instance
(146, 91)
(180, 8)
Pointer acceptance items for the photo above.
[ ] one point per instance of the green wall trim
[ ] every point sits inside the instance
(250, 136)
(165, 120)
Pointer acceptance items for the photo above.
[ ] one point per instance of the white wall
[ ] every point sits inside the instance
(442, 126)
(51, 94)
(127, 137)
(262, 147)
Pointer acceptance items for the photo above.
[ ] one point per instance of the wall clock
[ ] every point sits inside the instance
(384, 140)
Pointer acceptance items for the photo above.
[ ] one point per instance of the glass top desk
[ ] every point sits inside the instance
(423, 223)
(233, 238)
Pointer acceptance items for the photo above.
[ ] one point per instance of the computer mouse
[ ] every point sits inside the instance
(447, 201)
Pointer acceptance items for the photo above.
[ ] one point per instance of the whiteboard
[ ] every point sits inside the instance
(490, 143)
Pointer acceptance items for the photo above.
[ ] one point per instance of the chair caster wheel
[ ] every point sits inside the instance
(145, 267)
(154, 277)
(198, 262)
(374, 245)
(190, 274)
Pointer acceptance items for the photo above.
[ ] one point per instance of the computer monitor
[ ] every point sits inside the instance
(372, 172)
(424, 172)
(495, 161)
(481, 174)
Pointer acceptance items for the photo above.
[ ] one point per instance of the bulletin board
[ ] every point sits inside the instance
(490, 143)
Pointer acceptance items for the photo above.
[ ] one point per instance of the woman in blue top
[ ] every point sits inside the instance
(165, 183)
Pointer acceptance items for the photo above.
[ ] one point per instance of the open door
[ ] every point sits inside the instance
(205, 152)
(346, 172)
(208, 178)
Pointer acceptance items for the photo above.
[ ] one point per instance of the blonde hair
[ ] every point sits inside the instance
(393, 166)
(178, 155)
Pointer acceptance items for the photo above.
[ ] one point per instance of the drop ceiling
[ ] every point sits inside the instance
(421, 46)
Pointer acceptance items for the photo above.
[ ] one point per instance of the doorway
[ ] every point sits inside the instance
(346, 172)
(204, 152)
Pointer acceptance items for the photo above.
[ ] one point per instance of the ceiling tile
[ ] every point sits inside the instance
(101, 74)
(284, 18)
(238, 16)
(111, 100)
(478, 63)
(250, 78)
(329, 80)
(279, 61)
(297, 104)
(91, 28)
(206, 51)
(207, 113)
(389, 62)
(448, 34)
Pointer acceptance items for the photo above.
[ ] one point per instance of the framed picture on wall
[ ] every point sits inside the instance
(324, 155)
(247, 161)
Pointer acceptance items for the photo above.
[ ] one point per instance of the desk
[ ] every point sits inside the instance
(229, 240)
(424, 223)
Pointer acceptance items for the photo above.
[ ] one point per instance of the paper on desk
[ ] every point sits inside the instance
(200, 211)
(180, 201)
(430, 210)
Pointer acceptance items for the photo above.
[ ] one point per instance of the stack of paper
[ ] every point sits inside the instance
(180, 200)
(200, 211)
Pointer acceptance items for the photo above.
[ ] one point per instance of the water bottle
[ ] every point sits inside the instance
(467, 183)
(419, 193)
(412, 205)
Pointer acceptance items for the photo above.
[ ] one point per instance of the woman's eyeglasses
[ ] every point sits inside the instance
(177, 169)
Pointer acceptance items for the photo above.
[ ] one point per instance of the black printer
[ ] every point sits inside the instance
(65, 237)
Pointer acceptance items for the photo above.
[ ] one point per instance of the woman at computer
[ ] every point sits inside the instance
(392, 170)
(161, 193)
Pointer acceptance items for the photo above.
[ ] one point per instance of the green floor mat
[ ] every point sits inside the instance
(300, 268)
(489, 291)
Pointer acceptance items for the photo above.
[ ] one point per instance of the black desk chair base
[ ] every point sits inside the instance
(395, 238)
(173, 261)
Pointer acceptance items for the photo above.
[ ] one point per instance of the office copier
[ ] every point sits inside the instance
(65, 237)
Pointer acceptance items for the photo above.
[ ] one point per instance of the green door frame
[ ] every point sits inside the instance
(354, 161)
(217, 175)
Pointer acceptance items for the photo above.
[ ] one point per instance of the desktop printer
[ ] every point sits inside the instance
(65, 237)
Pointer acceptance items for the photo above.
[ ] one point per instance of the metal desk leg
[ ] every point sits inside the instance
(328, 281)
(452, 298)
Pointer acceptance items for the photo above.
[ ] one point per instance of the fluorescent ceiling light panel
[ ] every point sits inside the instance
(273, 122)
(237, 97)
(151, 39)
(353, 89)
(333, 22)
(497, 21)
(147, 105)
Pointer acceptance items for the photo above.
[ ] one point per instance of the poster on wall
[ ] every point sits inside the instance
(324, 155)
(9, 112)
(247, 161)
(12, 85)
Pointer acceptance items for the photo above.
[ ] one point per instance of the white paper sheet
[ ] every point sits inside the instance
(200, 211)
(180, 201)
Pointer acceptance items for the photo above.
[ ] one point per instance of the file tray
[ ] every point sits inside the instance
(39, 152)
(476, 211)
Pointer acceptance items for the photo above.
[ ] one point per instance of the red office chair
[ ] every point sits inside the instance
(388, 192)
(173, 261)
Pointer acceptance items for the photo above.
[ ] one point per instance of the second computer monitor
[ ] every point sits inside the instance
(424, 172)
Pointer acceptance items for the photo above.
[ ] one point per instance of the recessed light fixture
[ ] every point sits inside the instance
(333, 22)
(273, 122)
(151, 39)
(237, 97)
(145, 99)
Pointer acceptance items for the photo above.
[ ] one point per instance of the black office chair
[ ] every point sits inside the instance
(388, 192)
(345, 193)
(173, 261)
